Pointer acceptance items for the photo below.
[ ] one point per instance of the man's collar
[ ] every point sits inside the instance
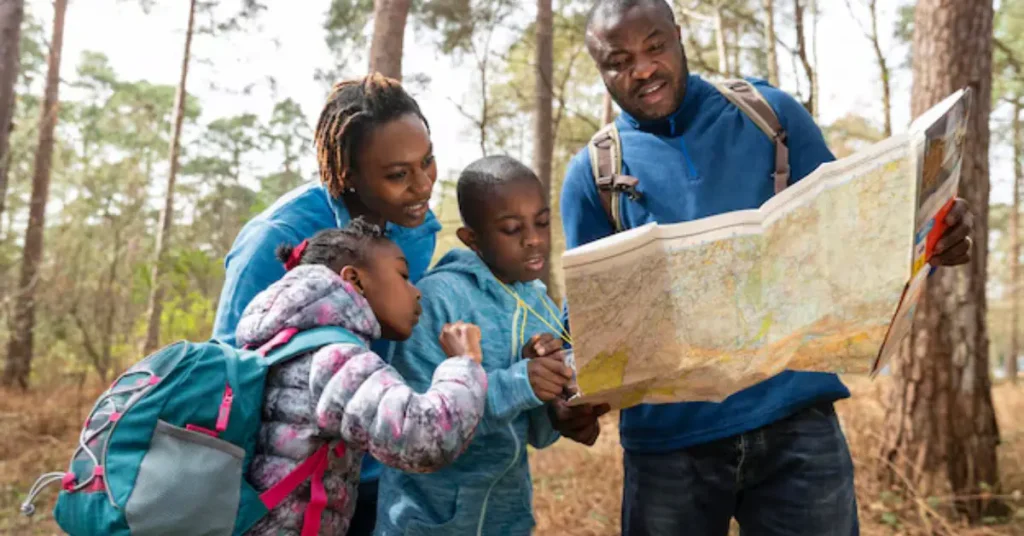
(676, 122)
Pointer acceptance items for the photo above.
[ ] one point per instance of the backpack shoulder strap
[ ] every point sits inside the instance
(605, 150)
(749, 100)
(290, 343)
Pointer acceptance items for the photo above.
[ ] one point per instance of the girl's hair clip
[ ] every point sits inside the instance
(296, 256)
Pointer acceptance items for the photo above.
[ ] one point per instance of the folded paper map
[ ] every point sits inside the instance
(822, 277)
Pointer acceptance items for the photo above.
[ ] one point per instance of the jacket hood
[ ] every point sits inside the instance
(307, 297)
(465, 262)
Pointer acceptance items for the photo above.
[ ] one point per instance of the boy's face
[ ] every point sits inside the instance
(514, 238)
(384, 282)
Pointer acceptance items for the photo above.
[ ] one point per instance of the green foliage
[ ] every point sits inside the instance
(111, 149)
(850, 134)
(344, 25)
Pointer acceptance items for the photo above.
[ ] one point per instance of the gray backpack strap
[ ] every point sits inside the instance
(605, 150)
(749, 100)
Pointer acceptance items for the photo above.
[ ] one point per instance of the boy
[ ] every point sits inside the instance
(494, 284)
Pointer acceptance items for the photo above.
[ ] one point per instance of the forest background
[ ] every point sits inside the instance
(120, 195)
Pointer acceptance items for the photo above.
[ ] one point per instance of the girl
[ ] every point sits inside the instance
(376, 161)
(357, 279)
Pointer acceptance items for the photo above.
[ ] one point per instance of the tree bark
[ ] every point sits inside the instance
(389, 18)
(769, 42)
(543, 137)
(801, 48)
(11, 14)
(883, 68)
(815, 84)
(19, 349)
(608, 109)
(940, 416)
(1018, 176)
(723, 53)
(156, 294)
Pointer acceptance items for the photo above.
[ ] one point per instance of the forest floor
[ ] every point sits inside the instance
(577, 490)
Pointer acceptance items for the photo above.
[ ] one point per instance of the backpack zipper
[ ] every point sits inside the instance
(152, 380)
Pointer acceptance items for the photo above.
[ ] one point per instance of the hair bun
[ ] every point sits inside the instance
(284, 252)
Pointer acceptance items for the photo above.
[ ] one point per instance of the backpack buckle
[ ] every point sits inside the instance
(625, 184)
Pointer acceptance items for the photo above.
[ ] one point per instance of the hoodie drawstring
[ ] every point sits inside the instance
(520, 302)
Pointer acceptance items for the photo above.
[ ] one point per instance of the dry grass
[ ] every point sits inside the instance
(577, 490)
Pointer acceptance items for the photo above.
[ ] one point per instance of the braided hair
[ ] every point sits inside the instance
(354, 108)
(335, 248)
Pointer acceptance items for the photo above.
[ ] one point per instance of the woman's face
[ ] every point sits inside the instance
(395, 172)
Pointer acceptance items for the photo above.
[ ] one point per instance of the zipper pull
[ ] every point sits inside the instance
(225, 409)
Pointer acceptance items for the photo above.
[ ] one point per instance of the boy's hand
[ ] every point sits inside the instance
(461, 339)
(543, 345)
(548, 377)
(578, 423)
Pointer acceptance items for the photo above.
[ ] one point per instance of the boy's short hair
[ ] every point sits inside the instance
(480, 179)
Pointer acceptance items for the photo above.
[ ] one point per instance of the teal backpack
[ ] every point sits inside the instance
(166, 448)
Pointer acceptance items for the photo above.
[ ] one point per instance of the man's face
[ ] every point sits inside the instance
(641, 60)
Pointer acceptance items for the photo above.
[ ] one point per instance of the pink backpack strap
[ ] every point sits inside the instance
(313, 468)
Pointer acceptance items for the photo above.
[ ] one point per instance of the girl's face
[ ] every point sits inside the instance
(384, 281)
(395, 173)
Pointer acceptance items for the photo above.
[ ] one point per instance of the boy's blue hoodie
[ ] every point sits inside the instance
(707, 158)
(488, 489)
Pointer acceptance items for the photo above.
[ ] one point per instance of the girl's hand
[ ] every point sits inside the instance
(461, 339)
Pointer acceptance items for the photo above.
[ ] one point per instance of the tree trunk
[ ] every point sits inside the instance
(156, 294)
(389, 17)
(815, 84)
(883, 68)
(19, 349)
(801, 48)
(1018, 176)
(11, 14)
(940, 416)
(769, 42)
(543, 137)
(723, 53)
(608, 109)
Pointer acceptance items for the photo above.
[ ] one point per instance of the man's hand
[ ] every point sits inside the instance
(578, 423)
(548, 377)
(954, 247)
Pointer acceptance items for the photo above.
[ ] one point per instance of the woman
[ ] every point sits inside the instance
(376, 161)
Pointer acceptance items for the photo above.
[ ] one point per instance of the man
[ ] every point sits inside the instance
(773, 456)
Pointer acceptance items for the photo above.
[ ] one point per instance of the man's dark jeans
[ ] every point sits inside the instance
(791, 478)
